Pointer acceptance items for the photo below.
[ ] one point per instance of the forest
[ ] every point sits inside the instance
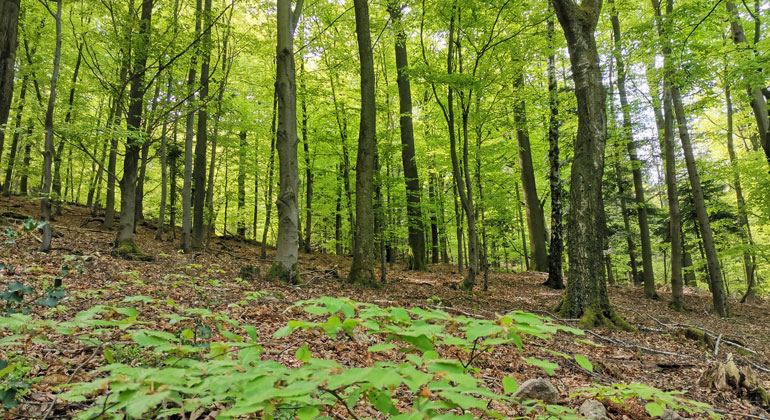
(200, 199)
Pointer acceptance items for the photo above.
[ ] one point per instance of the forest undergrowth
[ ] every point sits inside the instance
(666, 350)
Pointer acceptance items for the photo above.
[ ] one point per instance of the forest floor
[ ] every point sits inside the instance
(656, 354)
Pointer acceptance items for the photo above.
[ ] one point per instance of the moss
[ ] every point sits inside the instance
(595, 316)
(678, 306)
(283, 274)
(699, 336)
(364, 277)
(129, 251)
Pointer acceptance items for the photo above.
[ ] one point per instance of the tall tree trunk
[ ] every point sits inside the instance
(362, 268)
(758, 102)
(242, 166)
(23, 189)
(287, 248)
(626, 222)
(15, 141)
(201, 137)
(648, 275)
(164, 166)
(712, 259)
(434, 238)
(520, 217)
(125, 238)
(9, 26)
(535, 218)
(60, 149)
(586, 295)
(48, 154)
(308, 165)
(411, 174)
(555, 278)
(743, 220)
(269, 192)
(338, 215)
(186, 243)
(459, 227)
(109, 208)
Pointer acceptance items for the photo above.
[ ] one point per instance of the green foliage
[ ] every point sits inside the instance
(657, 401)
(213, 360)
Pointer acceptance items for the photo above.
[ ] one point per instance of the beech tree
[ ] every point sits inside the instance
(586, 295)
(9, 24)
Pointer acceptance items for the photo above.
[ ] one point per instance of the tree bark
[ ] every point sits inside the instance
(15, 141)
(308, 166)
(648, 276)
(186, 243)
(201, 135)
(535, 217)
(758, 102)
(9, 26)
(362, 268)
(287, 248)
(125, 238)
(48, 154)
(242, 166)
(411, 174)
(586, 295)
(269, 196)
(556, 248)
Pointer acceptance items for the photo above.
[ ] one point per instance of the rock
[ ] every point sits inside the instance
(592, 409)
(670, 414)
(538, 389)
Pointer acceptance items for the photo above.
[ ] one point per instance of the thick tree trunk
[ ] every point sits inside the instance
(48, 154)
(411, 174)
(555, 278)
(287, 248)
(535, 218)
(125, 238)
(9, 25)
(648, 276)
(586, 295)
(362, 268)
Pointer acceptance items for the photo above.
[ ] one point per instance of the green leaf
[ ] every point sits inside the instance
(303, 354)
(381, 347)
(584, 362)
(548, 367)
(252, 332)
(283, 332)
(654, 409)
(307, 413)
(510, 385)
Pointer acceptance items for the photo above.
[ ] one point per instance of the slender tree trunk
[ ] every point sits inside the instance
(411, 174)
(434, 238)
(164, 166)
(48, 154)
(308, 165)
(338, 215)
(648, 276)
(362, 268)
(15, 141)
(287, 249)
(125, 238)
(174, 154)
(109, 208)
(60, 149)
(535, 218)
(586, 295)
(758, 101)
(626, 222)
(555, 278)
(9, 25)
(242, 166)
(743, 220)
(23, 189)
(269, 196)
(521, 227)
(186, 244)
(459, 226)
(201, 135)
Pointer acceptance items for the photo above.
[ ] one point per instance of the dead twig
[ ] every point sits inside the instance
(72, 376)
